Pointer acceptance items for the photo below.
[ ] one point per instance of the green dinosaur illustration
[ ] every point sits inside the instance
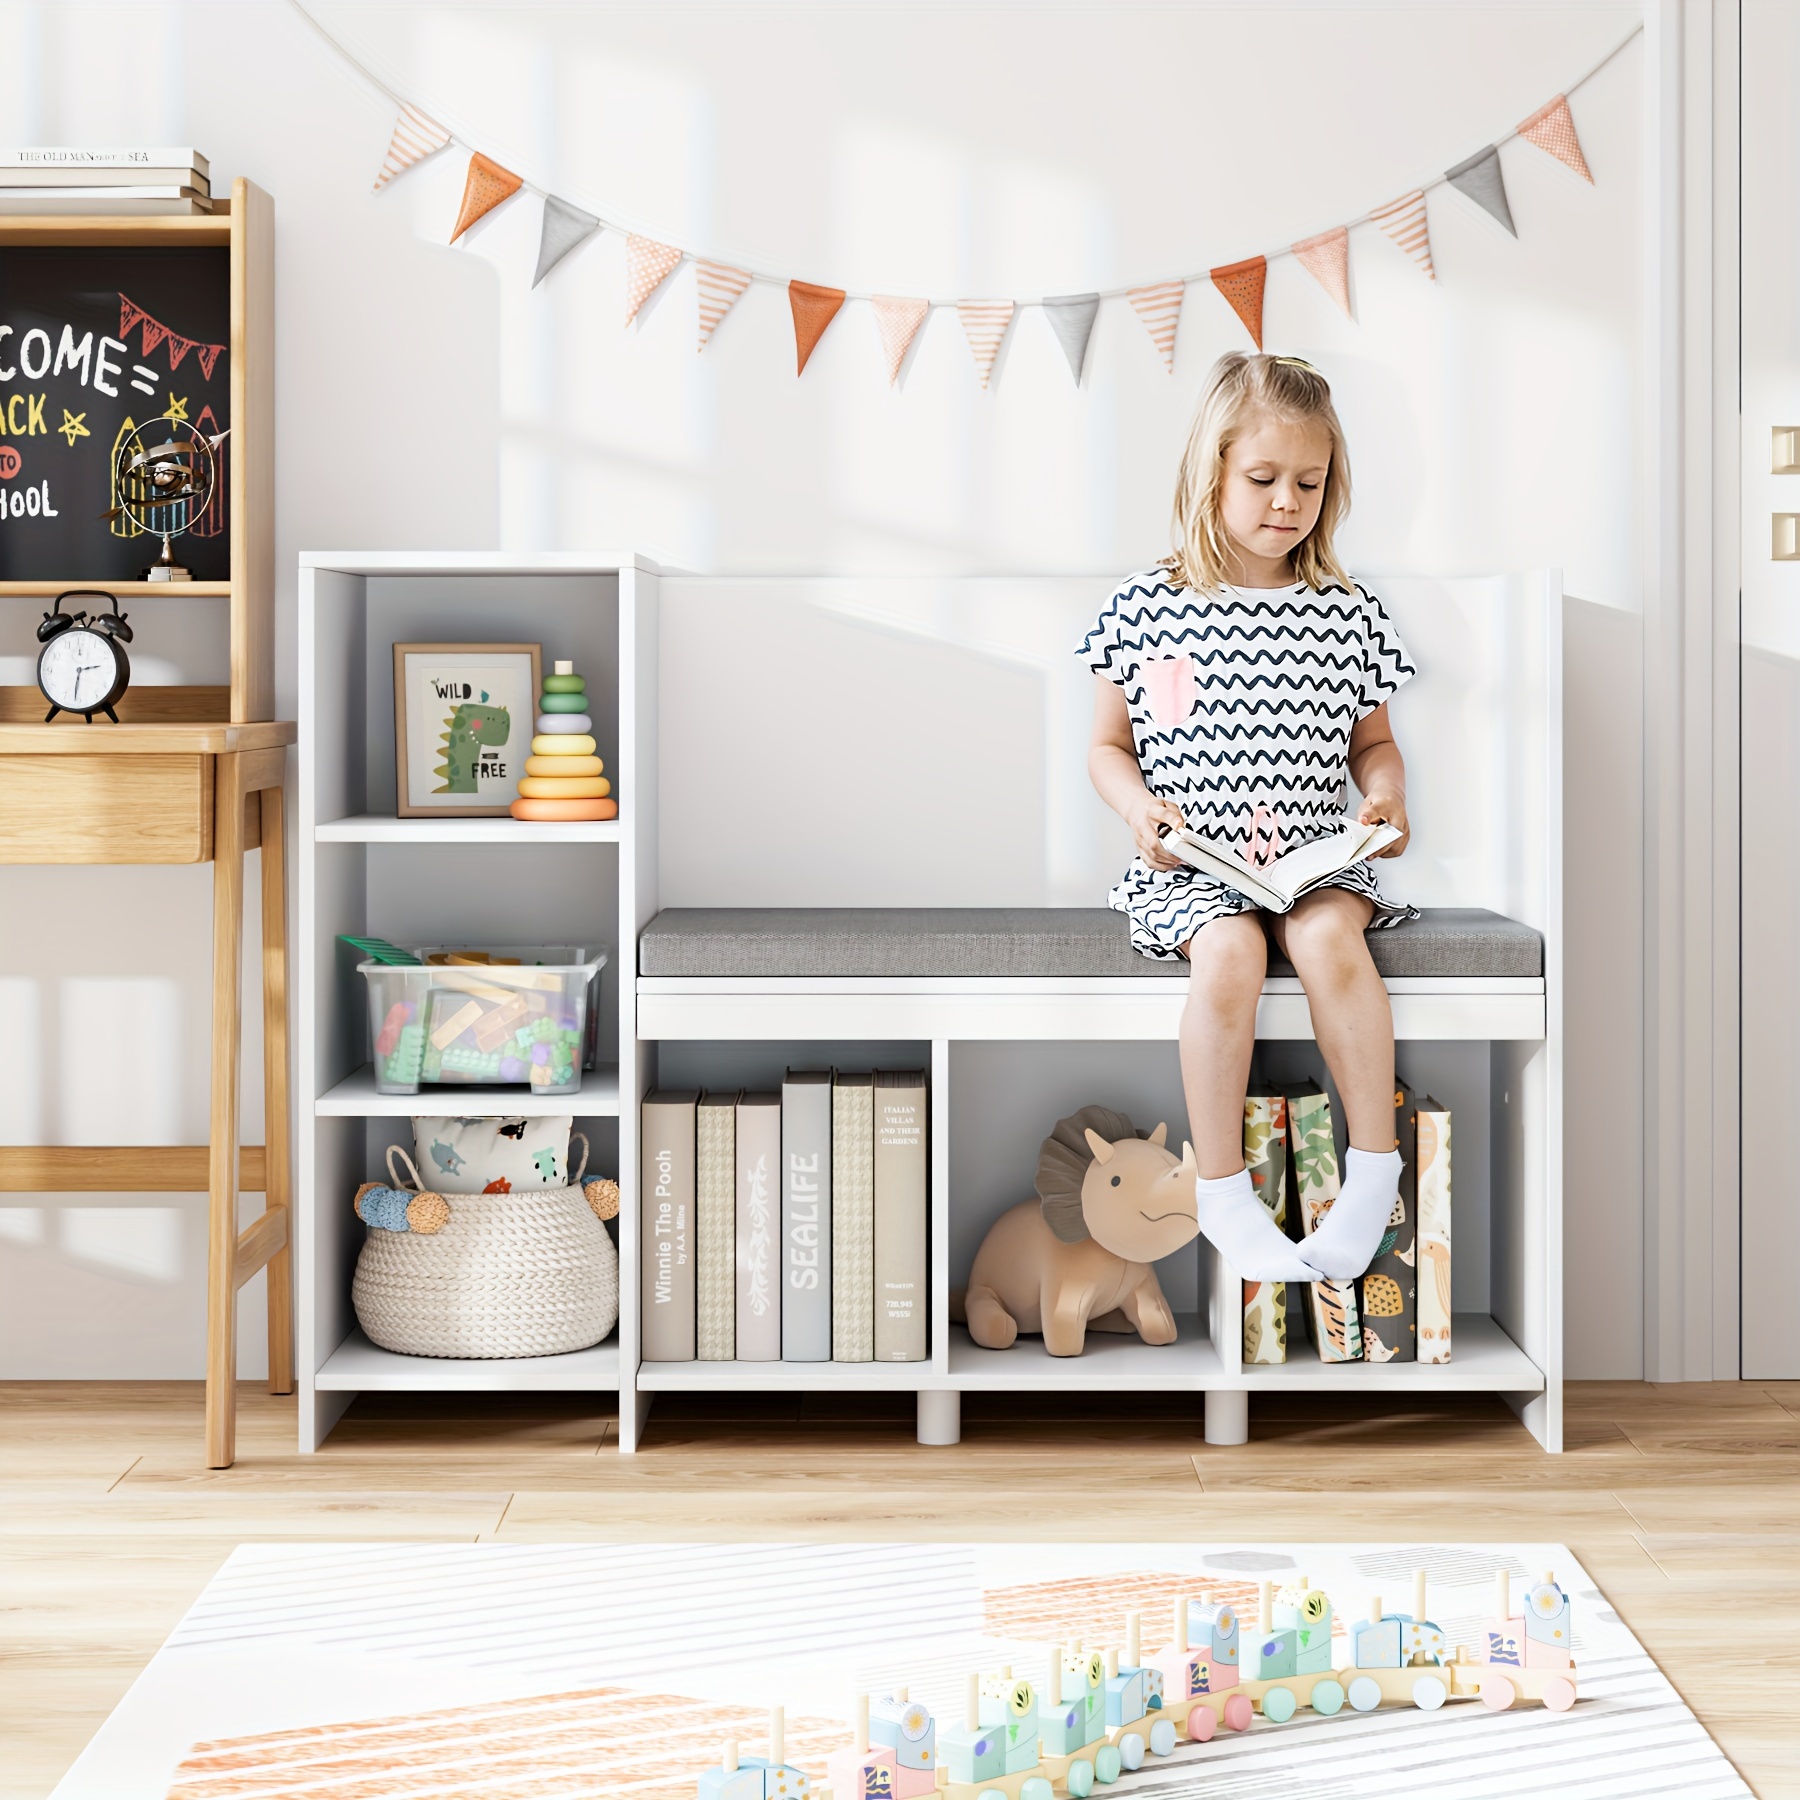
(466, 730)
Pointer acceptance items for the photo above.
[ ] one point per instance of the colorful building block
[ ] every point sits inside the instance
(1127, 1696)
(1549, 1624)
(865, 1771)
(1375, 1643)
(1420, 1640)
(1062, 1729)
(970, 1753)
(906, 1727)
(1215, 1628)
(1271, 1655)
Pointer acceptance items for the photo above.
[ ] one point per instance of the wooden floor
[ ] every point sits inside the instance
(1682, 1502)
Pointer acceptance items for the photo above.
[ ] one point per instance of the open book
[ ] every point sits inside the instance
(1276, 885)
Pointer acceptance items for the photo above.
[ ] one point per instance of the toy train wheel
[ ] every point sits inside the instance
(1201, 1724)
(1279, 1704)
(1497, 1692)
(1080, 1778)
(1429, 1693)
(1239, 1712)
(1327, 1697)
(1559, 1693)
(1107, 1764)
(1131, 1749)
(1162, 1734)
(1365, 1693)
(1036, 1788)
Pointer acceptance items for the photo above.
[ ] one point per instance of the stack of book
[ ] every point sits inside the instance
(786, 1227)
(1400, 1310)
(75, 179)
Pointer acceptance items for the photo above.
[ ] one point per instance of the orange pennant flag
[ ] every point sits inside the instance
(898, 321)
(647, 265)
(1242, 284)
(488, 184)
(1159, 306)
(1551, 128)
(814, 309)
(984, 323)
(1404, 221)
(1327, 259)
(719, 286)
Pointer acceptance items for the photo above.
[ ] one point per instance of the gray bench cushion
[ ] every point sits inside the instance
(1020, 940)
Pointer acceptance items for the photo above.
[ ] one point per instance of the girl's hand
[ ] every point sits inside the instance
(1390, 809)
(1146, 816)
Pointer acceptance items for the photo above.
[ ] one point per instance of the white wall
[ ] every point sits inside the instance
(429, 397)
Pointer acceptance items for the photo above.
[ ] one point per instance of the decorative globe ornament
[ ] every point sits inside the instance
(165, 475)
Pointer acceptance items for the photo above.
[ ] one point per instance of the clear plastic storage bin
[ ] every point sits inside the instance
(527, 1018)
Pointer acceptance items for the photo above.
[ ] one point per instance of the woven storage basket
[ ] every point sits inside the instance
(525, 1274)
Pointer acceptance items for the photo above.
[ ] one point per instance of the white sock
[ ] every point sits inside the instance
(1239, 1227)
(1345, 1244)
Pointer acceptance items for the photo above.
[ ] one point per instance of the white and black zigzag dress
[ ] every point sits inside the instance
(1240, 701)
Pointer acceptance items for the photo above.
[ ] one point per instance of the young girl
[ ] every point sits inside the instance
(1239, 684)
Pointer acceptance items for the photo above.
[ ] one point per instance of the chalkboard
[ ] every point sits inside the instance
(92, 342)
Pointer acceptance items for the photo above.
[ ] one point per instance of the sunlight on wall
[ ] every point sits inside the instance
(144, 1242)
(22, 1099)
(118, 1042)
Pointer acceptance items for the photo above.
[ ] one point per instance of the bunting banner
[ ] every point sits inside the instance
(1404, 221)
(1479, 177)
(648, 265)
(564, 227)
(1326, 258)
(814, 308)
(1072, 318)
(487, 185)
(898, 320)
(984, 323)
(719, 286)
(1242, 284)
(1159, 306)
(415, 138)
(1552, 128)
(157, 335)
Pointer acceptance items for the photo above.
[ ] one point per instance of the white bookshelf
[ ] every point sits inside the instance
(1006, 1056)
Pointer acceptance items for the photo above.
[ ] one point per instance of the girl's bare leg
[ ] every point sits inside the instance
(1228, 959)
(1354, 1024)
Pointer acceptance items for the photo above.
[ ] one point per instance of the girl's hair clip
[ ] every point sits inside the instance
(1295, 362)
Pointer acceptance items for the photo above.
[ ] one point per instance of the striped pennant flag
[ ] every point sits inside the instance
(814, 308)
(415, 138)
(719, 287)
(1551, 128)
(1404, 221)
(488, 184)
(898, 321)
(648, 265)
(1327, 259)
(1159, 306)
(1242, 284)
(984, 324)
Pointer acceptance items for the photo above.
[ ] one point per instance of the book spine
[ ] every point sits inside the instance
(853, 1222)
(1336, 1328)
(715, 1232)
(806, 1221)
(900, 1220)
(1265, 1156)
(1389, 1290)
(668, 1230)
(758, 1233)
(1434, 1232)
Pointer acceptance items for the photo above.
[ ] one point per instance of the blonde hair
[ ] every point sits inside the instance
(1239, 389)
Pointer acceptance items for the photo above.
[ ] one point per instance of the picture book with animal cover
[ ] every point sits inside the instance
(1276, 884)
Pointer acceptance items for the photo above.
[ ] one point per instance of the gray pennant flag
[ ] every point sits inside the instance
(1479, 178)
(1071, 317)
(565, 226)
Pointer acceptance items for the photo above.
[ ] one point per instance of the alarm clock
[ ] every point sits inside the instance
(83, 666)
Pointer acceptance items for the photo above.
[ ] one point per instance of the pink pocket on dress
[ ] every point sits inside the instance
(1169, 689)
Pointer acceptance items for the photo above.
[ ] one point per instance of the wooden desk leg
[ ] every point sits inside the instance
(222, 1146)
(279, 1280)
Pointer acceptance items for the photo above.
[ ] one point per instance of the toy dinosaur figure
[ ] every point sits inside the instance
(467, 730)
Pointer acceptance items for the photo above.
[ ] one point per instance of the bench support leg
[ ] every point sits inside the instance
(1227, 1416)
(940, 1416)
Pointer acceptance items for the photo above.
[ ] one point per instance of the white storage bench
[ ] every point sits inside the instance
(1024, 1014)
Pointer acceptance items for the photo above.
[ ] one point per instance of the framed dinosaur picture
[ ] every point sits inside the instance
(462, 727)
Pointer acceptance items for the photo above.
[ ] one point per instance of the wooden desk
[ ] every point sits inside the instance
(180, 793)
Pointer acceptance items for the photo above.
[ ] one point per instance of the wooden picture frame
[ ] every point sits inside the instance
(497, 678)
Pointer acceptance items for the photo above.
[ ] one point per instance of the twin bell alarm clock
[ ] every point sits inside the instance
(83, 667)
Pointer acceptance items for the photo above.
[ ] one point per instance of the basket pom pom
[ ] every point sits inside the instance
(428, 1213)
(603, 1197)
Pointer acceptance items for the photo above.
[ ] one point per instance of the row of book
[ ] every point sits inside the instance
(1399, 1311)
(786, 1227)
(78, 179)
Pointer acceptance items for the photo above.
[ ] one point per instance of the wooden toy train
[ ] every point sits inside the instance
(1101, 1713)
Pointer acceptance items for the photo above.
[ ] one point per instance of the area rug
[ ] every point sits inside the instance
(560, 1672)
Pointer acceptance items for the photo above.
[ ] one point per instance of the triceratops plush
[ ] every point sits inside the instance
(1109, 1204)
